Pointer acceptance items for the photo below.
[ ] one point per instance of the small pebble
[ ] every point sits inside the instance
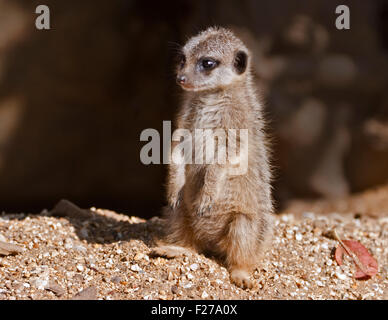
(138, 256)
(189, 276)
(174, 289)
(341, 276)
(136, 268)
(319, 283)
(194, 267)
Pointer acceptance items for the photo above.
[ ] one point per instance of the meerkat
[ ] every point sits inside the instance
(211, 210)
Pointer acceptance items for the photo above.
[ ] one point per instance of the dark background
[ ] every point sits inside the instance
(74, 99)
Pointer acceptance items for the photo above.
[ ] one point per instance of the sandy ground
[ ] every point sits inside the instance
(100, 254)
(372, 203)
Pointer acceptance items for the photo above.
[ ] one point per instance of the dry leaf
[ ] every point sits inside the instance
(366, 265)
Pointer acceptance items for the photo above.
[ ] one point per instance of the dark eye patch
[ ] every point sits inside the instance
(240, 62)
(207, 64)
(181, 60)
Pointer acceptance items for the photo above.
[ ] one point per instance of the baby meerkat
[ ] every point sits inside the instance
(212, 209)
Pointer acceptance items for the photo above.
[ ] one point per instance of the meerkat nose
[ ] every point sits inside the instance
(181, 79)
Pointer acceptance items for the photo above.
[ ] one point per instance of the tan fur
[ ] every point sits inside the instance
(211, 210)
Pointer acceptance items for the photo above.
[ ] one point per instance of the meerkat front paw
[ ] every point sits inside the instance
(169, 251)
(241, 279)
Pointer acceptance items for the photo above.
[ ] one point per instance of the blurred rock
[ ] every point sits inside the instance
(306, 124)
(306, 35)
(337, 70)
(377, 131)
(329, 178)
(13, 24)
(10, 114)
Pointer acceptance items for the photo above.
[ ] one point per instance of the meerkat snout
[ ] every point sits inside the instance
(181, 79)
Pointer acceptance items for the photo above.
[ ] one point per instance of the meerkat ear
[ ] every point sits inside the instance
(240, 62)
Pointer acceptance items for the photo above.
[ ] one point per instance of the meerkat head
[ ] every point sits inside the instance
(214, 59)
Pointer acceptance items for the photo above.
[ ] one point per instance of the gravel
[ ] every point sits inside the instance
(101, 254)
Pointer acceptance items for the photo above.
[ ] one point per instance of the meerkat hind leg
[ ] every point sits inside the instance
(241, 251)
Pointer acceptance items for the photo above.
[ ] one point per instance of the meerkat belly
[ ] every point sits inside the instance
(237, 194)
(209, 117)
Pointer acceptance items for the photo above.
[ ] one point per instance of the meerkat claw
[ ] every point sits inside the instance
(175, 204)
(203, 210)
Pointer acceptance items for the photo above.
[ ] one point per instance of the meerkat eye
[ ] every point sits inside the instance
(207, 64)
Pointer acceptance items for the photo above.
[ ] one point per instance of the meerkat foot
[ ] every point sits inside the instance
(241, 278)
(169, 251)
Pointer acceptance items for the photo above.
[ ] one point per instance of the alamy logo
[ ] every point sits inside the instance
(200, 146)
(343, 20)
(42, 22)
